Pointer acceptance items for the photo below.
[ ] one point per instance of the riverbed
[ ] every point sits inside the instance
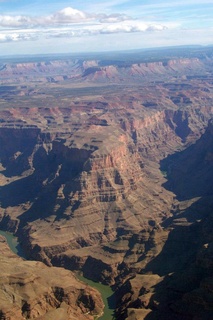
(108, 297)
(13, 243)
(106, 292)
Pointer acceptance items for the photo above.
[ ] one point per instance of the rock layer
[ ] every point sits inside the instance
(107, 183)
(179, 286)
(31, 290)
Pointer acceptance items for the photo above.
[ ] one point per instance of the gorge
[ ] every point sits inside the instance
(106, 292)
(106, 168)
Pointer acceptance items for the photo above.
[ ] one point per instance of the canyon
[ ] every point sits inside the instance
(106, 169)
(31, 290)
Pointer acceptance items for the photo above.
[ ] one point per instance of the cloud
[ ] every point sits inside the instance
(101, 25)
(70, 23)
(68, 15)
(134, 26)
(15, 21)
(79, 31)
(16, 37)
(125, 27)
(65, 16)
(113, 18)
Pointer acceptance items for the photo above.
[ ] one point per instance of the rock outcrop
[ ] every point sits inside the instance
(177, 282)
(96, 70)
(31, 290)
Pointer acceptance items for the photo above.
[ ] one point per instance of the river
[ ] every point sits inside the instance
(108, 297)
(13, 243)
(106, 292)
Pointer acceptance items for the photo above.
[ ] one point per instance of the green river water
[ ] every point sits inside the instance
(13, 243)
(107, 296)
(106, 292)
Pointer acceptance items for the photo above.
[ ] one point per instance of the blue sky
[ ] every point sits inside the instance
(44, 26)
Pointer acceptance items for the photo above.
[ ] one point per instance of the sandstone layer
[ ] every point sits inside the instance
(176, 284)
(31, 290)
(115, 185)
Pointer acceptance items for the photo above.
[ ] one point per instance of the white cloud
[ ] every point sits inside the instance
(15, 21)
(131, 26)
(68, 15)
(65, 16)
(78, 31)
(113, 18)
(124, 27)
(15, 37)
(99, 25)
(70, 23)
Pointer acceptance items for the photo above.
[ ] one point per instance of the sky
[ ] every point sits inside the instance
(50, 26)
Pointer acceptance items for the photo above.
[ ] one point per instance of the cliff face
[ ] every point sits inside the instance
(93, 70)
(94, 188)
(181, 275)
(198, 167)
(31, 290)
(50, 71)
(107, 183)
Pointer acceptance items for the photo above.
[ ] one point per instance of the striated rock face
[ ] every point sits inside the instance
(113, 180)
(54, 71)
(31, 290)
(87, 192)
(97, 188)
(177, 282)
(198, 160)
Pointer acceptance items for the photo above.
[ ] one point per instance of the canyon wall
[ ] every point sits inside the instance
(115, 181)
(97, 70)
(89, 190)
(31, 290)
(177, 282)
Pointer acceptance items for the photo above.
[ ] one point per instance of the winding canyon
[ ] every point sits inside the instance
(106, 168)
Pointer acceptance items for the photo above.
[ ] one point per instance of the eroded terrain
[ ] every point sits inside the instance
(106, 168)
